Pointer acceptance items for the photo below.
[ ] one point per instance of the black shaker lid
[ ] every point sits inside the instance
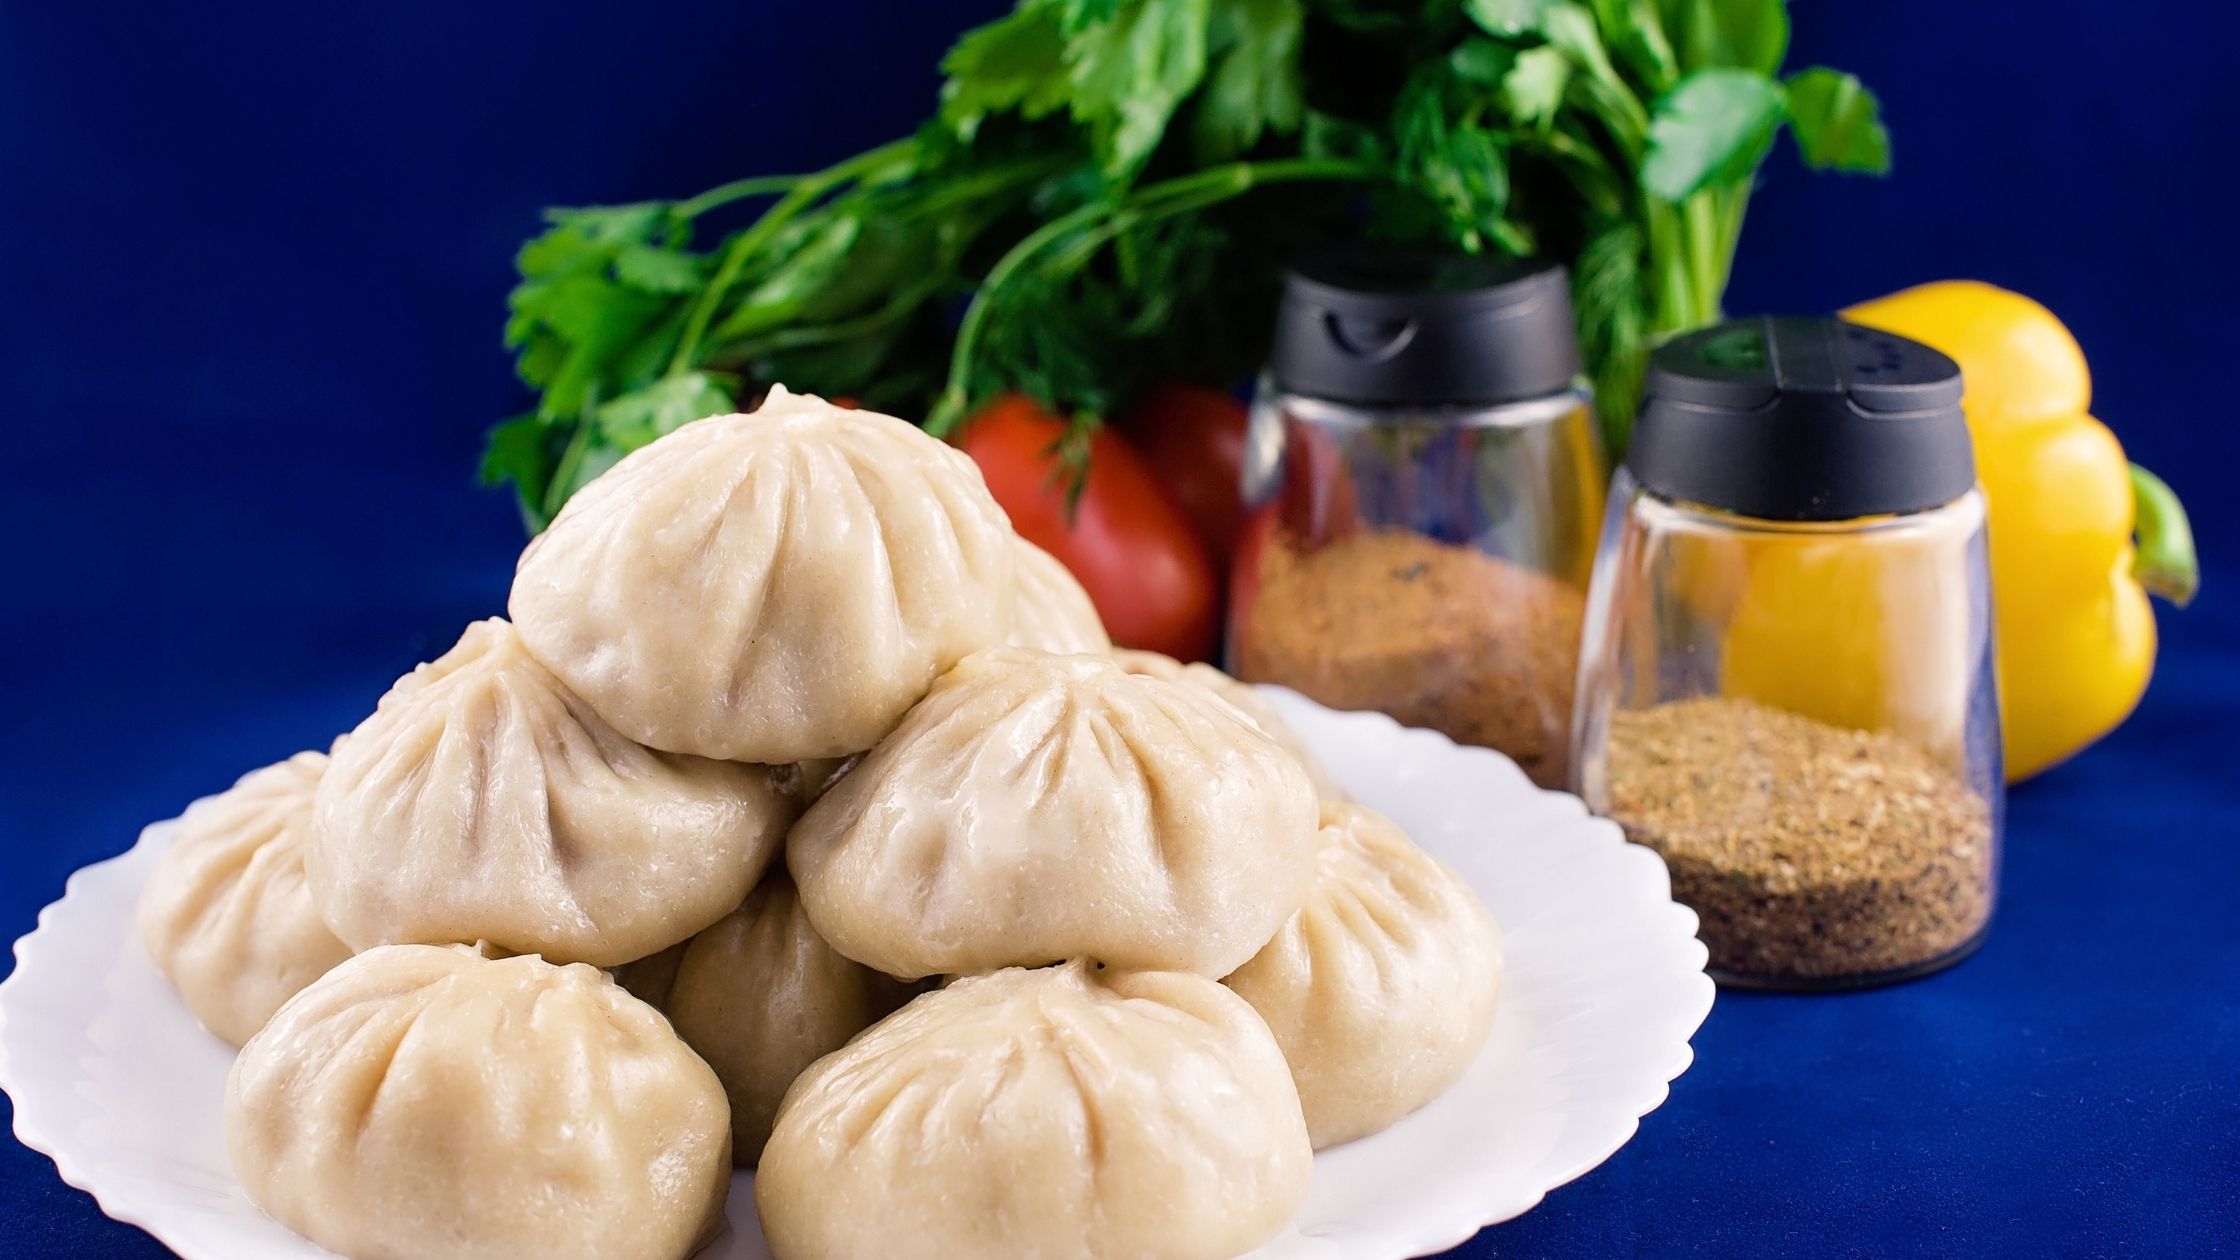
(1406, 327)
(1802, 419)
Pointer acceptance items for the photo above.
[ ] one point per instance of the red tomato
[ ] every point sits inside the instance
(1193, 439)
(1317, 500)
(1145, 570)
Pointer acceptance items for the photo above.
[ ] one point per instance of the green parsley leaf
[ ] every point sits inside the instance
(1613, 333)
(596, 287)
(811, 259)
(1254, 86)
(1482, 62)
(1080, 217)
(1130, 71)
(1015, 62)
(657, 270)
(1837, 122)
(520, 451)
(1572, 28)
(1534, 85)
(1714, 128)
(1463, 170)
(636, 418)
(572, 327)
(1507, 17)
(1637, 38)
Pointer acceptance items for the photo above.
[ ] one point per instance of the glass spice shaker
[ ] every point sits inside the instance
(1425, 476)
(1786, 686)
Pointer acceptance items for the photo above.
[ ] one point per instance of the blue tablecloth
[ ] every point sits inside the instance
(251, 263)
(2070, 1091)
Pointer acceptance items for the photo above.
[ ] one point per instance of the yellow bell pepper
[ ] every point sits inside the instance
(1874, 630)
(2076, 637)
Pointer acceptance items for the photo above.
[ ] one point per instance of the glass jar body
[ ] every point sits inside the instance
(1427, 562)
(1802, 718)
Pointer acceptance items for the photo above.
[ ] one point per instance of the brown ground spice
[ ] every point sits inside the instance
(1434, 634)
(1810, 851)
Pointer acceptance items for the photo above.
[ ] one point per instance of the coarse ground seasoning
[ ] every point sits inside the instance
(1435, 634)
(1811, 852)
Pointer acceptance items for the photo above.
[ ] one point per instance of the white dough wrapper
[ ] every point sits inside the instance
(1054, 612)
(484, 801)
(761, 996)
(226, 914)
(1243, 695)
(1382, 988)
(772, 587)
(1037, 808)
(430, 1103)
(1072, 1112)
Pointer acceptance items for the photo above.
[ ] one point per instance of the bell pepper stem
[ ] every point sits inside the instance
(2164, 561)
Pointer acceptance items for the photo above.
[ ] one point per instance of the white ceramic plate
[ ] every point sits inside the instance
(1604, 986)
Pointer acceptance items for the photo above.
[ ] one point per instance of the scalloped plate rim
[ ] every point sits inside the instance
(123, 1198)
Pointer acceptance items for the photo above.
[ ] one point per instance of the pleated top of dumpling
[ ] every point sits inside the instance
(1383, 986)
(1245, 697)
(761, 996)
(436, 1103)
(1070, 1111)
(485, 801)
(770, 587)
(1054, 613)
(1039, 807)
(225, 913)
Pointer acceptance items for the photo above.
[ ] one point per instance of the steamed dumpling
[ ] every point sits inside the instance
(1243, 695)
(1040, 807)
(771, 587)
(426, 1103)
(760, 996)
(226, 915)
(1382, 988)
(1068, 1112)
(485, 801)
(1054, 613)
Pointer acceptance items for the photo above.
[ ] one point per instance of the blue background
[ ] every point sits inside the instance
(252, 260)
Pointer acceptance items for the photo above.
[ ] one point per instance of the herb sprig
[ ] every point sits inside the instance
(1109, 188)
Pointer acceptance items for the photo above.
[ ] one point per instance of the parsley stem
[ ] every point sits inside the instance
(905, 300)
(800, 196)
(563, 482)
(1699, 217)
(1165, 199)
(736, 190)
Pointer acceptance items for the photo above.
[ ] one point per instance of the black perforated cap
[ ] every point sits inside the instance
(1802, 419)
(1413, 327)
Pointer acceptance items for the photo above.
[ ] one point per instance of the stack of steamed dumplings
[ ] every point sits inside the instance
(803, 816)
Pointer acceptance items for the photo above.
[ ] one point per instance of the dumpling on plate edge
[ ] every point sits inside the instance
(1070, 1111)
(771, 587)
(1035, 808)
(226, 914)
(1383, 987)
(484, 801)
(426, 1102)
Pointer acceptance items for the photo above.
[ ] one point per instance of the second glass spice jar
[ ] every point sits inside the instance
(1425, 478)
(1786, 686)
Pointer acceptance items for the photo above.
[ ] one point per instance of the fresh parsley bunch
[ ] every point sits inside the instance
(1108, 191)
